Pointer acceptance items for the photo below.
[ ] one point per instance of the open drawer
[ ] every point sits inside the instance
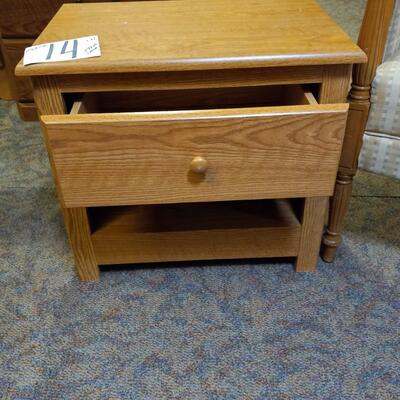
(193, 146)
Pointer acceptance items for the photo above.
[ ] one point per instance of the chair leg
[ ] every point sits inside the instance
(339, 205)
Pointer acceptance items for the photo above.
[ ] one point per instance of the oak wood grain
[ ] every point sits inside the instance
(102, 158)
(173, 80)
(78, 228)
(48, 96)
(198, 35)
(335, 84)
(193, 99)
(312, 225)
(50, 101)
(202, 231)
(142, 158)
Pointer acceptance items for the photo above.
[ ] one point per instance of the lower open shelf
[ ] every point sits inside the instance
(196, 231)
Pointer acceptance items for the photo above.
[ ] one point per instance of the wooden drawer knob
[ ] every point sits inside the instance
(199, 165)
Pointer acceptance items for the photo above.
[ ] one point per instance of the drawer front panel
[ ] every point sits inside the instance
(145, 158)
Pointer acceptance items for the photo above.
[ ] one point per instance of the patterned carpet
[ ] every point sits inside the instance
(243, 330)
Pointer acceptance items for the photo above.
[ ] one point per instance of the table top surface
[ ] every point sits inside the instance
(180, 35)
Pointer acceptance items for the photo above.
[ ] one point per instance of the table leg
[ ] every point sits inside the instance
(311, 232)
(50, 101)
(78, 228)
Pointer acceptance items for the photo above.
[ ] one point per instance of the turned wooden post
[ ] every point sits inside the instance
(372, 40)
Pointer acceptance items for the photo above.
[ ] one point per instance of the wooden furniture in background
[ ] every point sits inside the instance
(5, 90)
(21, 22)
(207, 145)
(372, 40)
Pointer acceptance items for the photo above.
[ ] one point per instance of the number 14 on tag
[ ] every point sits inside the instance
(65, 50)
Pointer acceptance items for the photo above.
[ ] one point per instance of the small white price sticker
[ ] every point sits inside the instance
(66, 50)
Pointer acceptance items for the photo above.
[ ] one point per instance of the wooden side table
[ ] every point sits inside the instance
(199, 133)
